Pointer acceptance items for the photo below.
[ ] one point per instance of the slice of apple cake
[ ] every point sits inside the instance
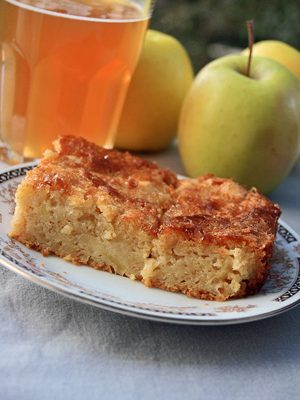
(214, 242)
(93, 206)
(208, 238)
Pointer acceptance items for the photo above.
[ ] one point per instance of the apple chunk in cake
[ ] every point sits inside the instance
(208, 237)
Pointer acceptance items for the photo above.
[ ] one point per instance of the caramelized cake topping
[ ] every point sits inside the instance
(220, 211)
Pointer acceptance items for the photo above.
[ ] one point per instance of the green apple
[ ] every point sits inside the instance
(155, 95)
(240, 127)
(280, 52)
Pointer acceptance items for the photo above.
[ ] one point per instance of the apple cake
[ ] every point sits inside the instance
(214, 242)
(208, 237)
(93, 206)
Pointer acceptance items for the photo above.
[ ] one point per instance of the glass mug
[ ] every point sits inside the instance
(65, 69)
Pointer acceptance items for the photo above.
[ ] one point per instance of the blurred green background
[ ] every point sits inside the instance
(209, 28)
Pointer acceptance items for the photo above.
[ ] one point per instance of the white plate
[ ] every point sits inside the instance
(280, 292)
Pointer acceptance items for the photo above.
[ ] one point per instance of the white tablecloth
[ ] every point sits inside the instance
(55, 348)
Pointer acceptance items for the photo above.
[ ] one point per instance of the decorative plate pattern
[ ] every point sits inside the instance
(280, 292)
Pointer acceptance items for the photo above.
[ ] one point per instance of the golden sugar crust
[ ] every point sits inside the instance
(219, 211)
(78, 168)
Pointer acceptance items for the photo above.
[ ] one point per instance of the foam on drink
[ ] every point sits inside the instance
(117, 10)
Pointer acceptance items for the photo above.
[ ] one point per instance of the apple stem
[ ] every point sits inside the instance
(250, 29)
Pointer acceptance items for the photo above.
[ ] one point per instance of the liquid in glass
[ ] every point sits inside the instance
(65, 69)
